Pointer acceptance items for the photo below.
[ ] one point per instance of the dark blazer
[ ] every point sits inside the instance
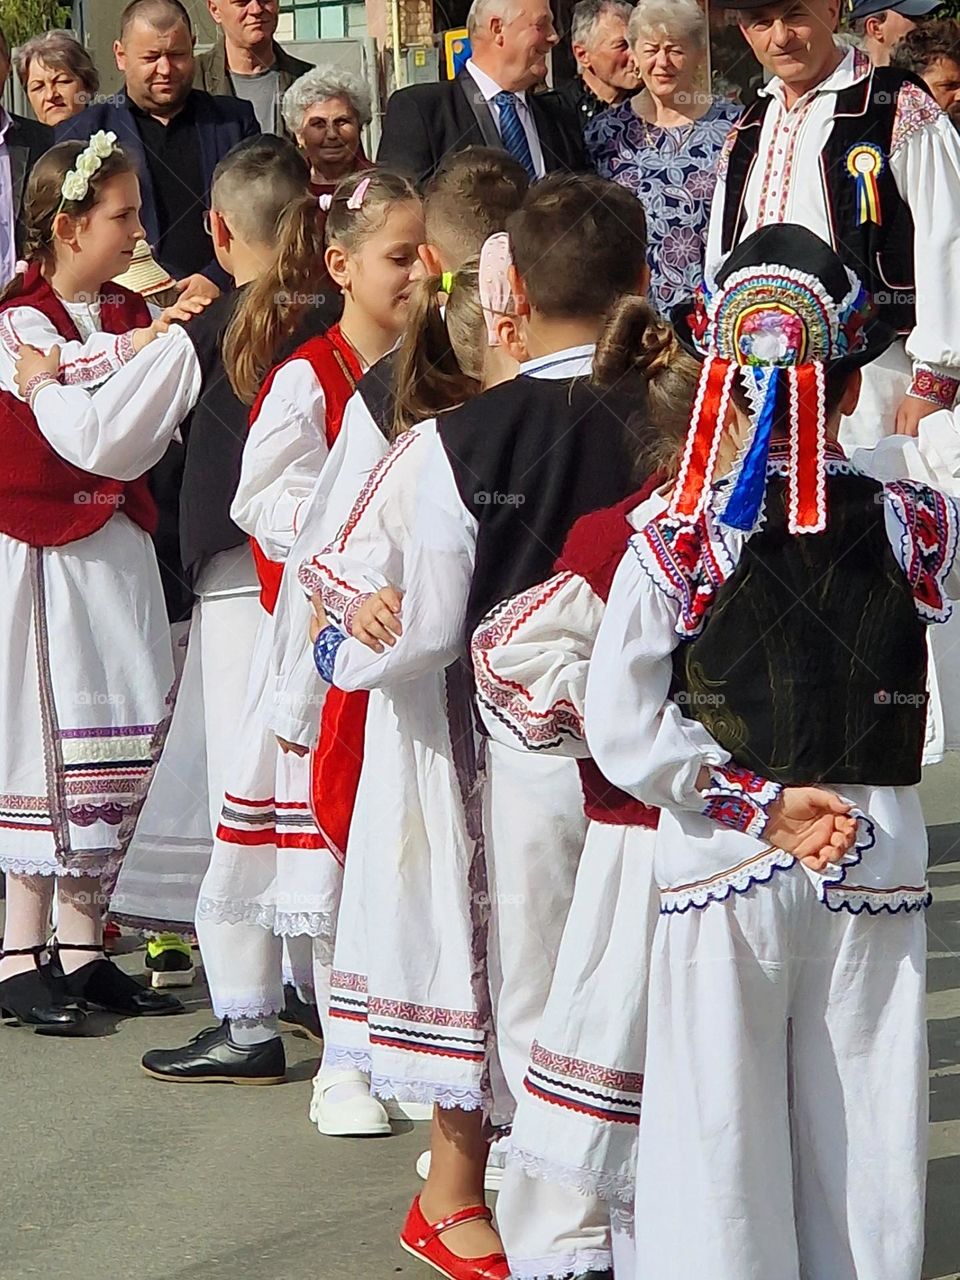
(426, 122)
(221, 124)
(213, 74)
(27, 140)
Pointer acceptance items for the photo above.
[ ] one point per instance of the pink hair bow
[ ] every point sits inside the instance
(495, 296)
(356, 200)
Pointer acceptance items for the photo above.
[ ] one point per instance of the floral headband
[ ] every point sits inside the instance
(76, 184)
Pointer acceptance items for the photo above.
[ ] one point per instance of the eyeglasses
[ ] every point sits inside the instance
(207, 224)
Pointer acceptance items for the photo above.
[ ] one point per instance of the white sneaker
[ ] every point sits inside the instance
(359, 1116)
(492, 1178)
(409, 1110)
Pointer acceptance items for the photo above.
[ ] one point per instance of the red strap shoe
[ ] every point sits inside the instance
(422, 1239)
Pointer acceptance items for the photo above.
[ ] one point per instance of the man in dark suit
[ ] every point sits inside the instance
(177, 134)
(490, 103)
(22, 143)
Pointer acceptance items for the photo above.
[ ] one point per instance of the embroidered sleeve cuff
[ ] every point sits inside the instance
(36, 384)
(739, 799)
(325, 649)
(125, 348)
(936, 388)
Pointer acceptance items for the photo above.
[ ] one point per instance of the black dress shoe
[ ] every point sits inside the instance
(30, 1000)
(298, 1015)
(212, 1058)
(102, 984)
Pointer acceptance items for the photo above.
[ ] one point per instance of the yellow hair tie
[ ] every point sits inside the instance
(446, 281)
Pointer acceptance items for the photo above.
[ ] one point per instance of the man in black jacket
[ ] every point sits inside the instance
(22, 143)
(491, 102)
(176, 133)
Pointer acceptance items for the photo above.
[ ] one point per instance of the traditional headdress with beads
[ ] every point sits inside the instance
(783, 311)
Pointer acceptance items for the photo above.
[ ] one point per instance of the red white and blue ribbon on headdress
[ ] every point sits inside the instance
(774, 329)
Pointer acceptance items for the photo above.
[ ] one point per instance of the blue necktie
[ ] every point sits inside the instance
(512, 133)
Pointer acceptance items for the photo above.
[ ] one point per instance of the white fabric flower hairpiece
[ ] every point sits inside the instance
(76, 183)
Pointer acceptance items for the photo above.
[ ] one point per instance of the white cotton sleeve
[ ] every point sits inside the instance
(437, 570)
(932, 456)
(282, 459)
(639, 738)
(124, 427)
(530, 660)
(298, 688)
(926, 169)
(82, 364)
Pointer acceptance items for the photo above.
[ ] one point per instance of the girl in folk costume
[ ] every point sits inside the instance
(759, 673)
(88, 659)
(576, 1120)
(409, 1003)
(275, 871)
(507, 475)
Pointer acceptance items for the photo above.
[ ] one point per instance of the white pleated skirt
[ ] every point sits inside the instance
(408, 1000)
(85, 668)
(577, 1118)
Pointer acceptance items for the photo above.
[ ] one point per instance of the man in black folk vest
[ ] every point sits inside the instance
(863, 157)
(491, 103)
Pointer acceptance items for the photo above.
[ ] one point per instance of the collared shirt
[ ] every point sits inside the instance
(571, 362)
(8, 214)
(173, 158)
(489, 88)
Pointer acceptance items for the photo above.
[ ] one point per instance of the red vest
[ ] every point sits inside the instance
(338, 372)
(339, 751)
(45, 501)
(593, 550)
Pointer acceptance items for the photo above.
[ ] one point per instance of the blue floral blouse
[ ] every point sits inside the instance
(673, 173)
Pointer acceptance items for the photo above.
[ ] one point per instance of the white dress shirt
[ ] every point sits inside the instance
(489, 88)
(8, 215)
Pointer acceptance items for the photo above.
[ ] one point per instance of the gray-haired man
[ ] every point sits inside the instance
(606, 73)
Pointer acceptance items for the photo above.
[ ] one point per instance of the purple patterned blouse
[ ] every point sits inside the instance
(673, 173)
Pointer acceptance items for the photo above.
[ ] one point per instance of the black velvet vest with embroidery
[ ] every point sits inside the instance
(812, 664)
(881, 255)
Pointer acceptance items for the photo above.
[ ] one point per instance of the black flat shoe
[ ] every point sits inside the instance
(102, 984)
(212, 1058)
(298, 1015)
(31, 1000)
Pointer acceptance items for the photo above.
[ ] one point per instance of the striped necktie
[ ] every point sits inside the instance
(512, 133)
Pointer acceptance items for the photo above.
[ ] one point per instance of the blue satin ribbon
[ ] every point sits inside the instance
(743, 506)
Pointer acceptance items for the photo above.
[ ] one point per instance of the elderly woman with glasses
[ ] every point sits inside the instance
(58, 76)
(326, 110)
(664, 143)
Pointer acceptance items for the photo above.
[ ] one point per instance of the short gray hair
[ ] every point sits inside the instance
(682, 19)
(320, 84)
(480, 10)
(62, 51)
(587, 13)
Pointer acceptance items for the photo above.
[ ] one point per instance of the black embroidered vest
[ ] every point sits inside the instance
(882, 256)
(812, 664)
